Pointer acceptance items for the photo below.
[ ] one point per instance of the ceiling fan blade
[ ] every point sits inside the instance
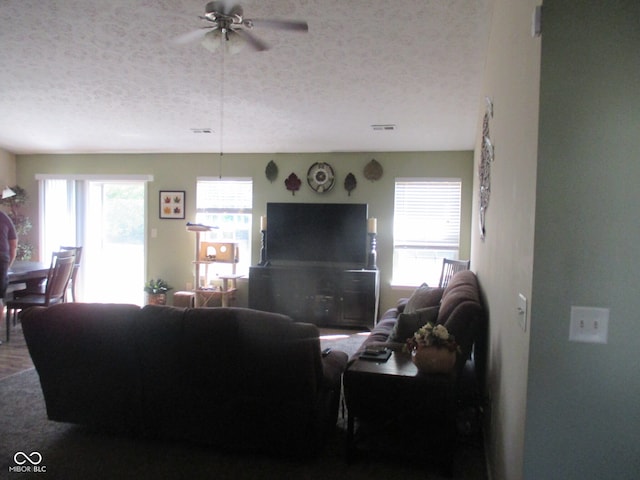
(254, 41)
(295, 25)
(193, 36)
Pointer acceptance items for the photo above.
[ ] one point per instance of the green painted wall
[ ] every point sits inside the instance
(583, 415)
(170, 254)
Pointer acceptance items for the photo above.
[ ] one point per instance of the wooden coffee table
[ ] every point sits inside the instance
(394, 394)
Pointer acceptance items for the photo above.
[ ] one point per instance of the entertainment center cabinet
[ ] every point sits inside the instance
(315, 265)
(323, 295)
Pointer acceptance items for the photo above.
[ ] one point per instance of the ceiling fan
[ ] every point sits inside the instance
(227, 20)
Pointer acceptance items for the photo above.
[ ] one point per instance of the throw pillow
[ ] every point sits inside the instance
(424, 296)
(408, 323)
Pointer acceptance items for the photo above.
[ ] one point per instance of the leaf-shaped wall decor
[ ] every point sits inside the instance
(293, 183)
(271, 171)
(373, 170)
(350, 183)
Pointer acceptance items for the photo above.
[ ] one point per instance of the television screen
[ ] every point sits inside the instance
(317, 232)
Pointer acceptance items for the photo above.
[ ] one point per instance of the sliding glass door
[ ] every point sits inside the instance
(107, 218)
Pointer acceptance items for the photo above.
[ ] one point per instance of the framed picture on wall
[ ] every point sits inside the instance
(172, 204)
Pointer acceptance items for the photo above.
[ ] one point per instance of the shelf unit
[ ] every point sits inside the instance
(208, 257)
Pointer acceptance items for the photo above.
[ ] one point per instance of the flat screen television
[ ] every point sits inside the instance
(320, 233)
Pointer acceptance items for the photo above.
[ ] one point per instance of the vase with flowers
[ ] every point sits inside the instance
(433, 349)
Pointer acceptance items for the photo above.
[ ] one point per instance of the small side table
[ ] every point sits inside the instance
(207, 297)
(229, 287)
(396, 393)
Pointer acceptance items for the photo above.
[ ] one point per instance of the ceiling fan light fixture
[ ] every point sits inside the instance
(232, 43)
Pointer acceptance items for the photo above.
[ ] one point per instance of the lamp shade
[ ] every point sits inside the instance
(8, 193)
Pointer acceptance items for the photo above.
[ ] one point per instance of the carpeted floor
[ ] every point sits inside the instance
(343, 341)
(69, 452)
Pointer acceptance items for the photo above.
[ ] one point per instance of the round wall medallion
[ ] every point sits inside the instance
(320, 177)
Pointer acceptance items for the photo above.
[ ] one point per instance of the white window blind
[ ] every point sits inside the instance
(226, 204)
(426, 228)
(224, 195)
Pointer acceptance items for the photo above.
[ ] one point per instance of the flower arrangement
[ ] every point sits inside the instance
(157, 286)
(430, 335)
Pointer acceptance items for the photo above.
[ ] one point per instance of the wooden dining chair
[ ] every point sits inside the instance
(451, 267)
(76, 266)
(60, 272)
(41, 288)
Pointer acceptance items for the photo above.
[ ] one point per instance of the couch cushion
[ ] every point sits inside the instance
(424, 296)
(462, 287)
(409, 323)
(86, 358)
(465, 323)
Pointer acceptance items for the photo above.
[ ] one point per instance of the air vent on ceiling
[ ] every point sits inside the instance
(387, 127)
(201, 130)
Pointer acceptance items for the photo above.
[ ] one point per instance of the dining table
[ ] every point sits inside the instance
(28, 272)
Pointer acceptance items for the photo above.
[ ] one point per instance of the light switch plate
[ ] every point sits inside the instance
(589, 324)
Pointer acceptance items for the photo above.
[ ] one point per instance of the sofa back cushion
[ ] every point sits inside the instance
(462, 312)
(462, 287)
(85, 356)
(226, 376)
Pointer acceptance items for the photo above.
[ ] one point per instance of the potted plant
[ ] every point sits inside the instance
(433, 349)
(157, 291)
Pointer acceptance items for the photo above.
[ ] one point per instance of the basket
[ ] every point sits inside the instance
(433, 359)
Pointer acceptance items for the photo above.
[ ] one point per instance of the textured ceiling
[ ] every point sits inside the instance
(103, 76)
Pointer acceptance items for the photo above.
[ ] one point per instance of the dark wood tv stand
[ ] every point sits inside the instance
(323, 295)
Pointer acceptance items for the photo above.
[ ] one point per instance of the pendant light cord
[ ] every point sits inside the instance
(222, 48)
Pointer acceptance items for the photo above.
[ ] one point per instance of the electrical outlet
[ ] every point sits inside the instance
(589, 324)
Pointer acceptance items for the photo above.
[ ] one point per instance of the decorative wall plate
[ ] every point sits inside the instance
(271, 171)
(292, 182)
(484, 168)
(350, 183)
(373, 170)
(320, 177)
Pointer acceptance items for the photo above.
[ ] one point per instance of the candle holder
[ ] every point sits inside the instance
(263, 248)
(372, 256)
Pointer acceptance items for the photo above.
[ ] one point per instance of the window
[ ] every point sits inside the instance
(106, 216)
(226, 204)
(426, 228)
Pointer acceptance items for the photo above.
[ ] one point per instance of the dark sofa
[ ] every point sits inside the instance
(458, 307)
(233, 378)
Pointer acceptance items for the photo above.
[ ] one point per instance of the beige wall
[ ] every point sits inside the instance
(7, 169)
(170, 255)
(504, 259)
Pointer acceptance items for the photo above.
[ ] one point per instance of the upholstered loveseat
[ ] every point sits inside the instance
(233, 378)
(458, 307)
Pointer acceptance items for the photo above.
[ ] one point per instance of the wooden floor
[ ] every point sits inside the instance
(14, 355)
